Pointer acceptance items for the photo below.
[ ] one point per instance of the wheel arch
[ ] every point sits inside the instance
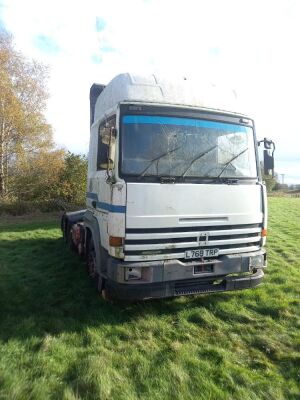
(70, 218)
(93, 231)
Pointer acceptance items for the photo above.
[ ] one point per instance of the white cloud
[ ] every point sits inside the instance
(248, 45)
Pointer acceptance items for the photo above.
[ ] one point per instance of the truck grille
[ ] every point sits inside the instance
(171, 243)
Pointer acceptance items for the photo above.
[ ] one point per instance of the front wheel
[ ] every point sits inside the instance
(91, 266)
(100, 285)
(91, 261)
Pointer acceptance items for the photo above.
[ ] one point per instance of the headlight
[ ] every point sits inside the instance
(256, 261)
(133, 274)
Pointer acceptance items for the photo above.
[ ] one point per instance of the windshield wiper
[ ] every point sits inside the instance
(158, 158)
(197, 158)
(230, 161)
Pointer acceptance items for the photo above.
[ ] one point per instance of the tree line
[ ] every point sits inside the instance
(31, 166)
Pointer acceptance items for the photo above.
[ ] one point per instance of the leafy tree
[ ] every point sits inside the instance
(270, 182)
(23, 95)
(51, 175)
(38, 177)
(31, 168)
(73, 179)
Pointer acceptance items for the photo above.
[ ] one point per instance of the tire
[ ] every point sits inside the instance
(100, 285)
(91, 261)
(70, 242)
(91, 266)
(67, 234)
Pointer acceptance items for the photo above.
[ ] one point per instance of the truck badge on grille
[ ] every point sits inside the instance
(203, 238)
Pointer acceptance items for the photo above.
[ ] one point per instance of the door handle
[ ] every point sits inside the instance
(94, 203)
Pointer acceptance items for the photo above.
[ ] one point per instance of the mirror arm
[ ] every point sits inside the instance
(110, 178)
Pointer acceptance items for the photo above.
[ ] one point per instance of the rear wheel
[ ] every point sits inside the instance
(67, 234)
(70, 241)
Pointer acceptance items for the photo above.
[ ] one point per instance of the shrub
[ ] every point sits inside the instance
(21, 207)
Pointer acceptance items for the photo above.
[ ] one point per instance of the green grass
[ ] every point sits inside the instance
(59, 340)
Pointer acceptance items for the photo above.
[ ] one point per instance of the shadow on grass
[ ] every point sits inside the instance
(44, 289)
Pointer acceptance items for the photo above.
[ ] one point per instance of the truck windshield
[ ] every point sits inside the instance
(182, 147)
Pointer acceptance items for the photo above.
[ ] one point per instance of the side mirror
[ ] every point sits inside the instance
(106, 146)
(268, 162)
(269, 146)
(111, 155)
(112, 147)
(105, 134)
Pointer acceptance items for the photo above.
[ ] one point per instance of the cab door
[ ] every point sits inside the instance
(99, 189)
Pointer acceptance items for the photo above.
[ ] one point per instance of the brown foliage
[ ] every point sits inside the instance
(23, 95)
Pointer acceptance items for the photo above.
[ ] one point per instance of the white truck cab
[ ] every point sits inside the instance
(175, 201)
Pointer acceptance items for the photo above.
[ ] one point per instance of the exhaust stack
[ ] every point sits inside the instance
(95, 91)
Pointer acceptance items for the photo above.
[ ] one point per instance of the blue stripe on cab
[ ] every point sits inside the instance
(148, 119)
(106, 206)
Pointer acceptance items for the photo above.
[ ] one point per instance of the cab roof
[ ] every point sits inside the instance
(129, 87)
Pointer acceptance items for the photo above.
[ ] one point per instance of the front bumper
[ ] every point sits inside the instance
(176, 278)
(120, 291)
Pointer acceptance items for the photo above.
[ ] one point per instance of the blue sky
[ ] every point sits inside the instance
(250, 46)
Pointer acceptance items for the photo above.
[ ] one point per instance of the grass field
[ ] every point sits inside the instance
(59, 340)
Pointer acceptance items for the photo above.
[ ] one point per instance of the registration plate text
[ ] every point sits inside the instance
(201, 253)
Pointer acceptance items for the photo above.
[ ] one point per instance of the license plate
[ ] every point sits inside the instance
(201, 253)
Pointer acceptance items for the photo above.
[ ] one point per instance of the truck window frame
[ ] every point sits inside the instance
(185, 112)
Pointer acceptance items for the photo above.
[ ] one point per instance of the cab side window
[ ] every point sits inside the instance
(103, 143)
